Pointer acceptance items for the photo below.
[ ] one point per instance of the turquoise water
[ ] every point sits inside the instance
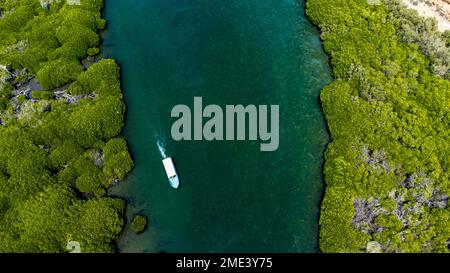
(233, 198)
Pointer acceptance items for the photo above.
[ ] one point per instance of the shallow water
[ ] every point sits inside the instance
(232, 198)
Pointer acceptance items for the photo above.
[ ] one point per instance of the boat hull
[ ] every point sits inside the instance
(171, 172)
(174, 182)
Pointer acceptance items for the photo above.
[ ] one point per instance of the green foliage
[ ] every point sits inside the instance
(4, 102)
(424, 32)
(102, 119)
(54, 163)
(42, 225)
(117, 159)
(138, 224)
(57, 73)
(386, 169)
(62, 154)
(91, 184)
(5, 90)
(55, 217)
(99, 221)
(93, 51)
(21, 99)
(32, 36)
(15, 21)
(101, 79)
(43, 95)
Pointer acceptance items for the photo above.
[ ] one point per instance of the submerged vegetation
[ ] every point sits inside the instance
(387, 168)
(59, 149)
(138, 224)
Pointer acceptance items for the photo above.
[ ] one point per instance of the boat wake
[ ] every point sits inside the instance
(162, 149)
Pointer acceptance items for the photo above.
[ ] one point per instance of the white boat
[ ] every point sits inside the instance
(171, 172)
